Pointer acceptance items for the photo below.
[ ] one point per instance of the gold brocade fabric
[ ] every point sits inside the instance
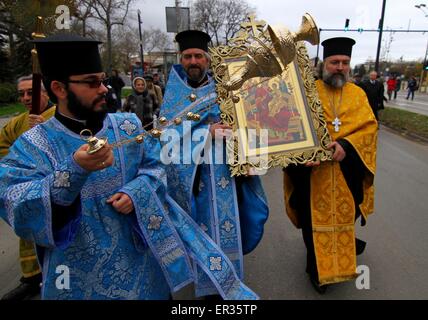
(28, 259)
(17, 126)
(332, 203)
(9, 133)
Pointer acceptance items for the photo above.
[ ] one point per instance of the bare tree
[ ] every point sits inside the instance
(221, 19)
(235, 13)
(154, 42)
(109, 13)
(208, 15)
(84, 11)
(126, 45)
(201, 11)
(127, 41)
(154, 39)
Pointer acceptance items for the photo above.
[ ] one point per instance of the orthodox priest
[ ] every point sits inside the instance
(231, 211)
(325, 199)
(103, 224)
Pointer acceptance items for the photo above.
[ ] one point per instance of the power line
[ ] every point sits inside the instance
(361, 30)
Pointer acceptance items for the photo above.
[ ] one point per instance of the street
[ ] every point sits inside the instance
(397, 241)
(396, 253)
(418, 105)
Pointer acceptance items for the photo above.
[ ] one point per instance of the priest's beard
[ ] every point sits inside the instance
(336, 80)
(195, 73)
(85, 112)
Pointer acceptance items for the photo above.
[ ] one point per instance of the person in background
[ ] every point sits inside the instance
(30, 268)
(412, 86)
(375, 93)
(142, 102)
(154, 89)
(111, 100)
(157, 81)
(358, 79)
(116, 82)
(391, 86)
(397, 86)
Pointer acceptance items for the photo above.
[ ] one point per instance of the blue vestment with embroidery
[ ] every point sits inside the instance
(231, 211)
(102, 253)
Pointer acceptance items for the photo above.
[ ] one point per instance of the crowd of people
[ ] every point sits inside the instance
(130, 227)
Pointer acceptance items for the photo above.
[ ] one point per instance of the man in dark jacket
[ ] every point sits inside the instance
(116, 82)
(374, 91)
(412, 86)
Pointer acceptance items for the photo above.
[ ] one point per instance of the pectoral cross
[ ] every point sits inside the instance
(336, 124)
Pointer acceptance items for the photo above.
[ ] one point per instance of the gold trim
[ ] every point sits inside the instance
(263, 50)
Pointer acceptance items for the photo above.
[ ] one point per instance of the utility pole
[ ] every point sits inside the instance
(141, 39)
(422, 80)
(379, 42)
(178, 14)
(178, 21)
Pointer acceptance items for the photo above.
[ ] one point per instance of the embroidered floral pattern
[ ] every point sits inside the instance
(128, 127)
(227, 226)
(223, 182)
(62, 179)
(155, 222)
(215, 264)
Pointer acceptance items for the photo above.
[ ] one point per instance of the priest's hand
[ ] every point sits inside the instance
(121, 202)
(220, 131)
(99, 160)
(339, 153)
(312, 163)
(34, 120)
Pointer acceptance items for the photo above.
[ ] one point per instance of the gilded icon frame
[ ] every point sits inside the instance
(305, 137)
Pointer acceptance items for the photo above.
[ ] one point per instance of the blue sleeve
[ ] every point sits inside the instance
(32, 189)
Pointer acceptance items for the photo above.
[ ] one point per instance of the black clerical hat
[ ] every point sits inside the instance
(193, 39)
(338, 46)
(63, 55)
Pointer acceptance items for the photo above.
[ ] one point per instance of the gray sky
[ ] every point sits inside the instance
(399, 14)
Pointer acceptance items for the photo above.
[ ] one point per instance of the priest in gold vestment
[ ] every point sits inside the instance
(325, 199)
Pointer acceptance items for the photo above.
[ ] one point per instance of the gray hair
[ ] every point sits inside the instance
(28, 78)
(206, 54)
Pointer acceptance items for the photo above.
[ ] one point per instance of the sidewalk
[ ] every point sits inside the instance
(418, 105)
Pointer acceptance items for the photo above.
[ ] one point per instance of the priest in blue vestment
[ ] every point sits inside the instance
(104, 226)
(232, 211)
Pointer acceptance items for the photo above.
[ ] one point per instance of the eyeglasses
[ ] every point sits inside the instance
(93, 83)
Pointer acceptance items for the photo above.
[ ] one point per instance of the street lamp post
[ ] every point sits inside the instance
(379, 42)
(422, 80)
(141, 39)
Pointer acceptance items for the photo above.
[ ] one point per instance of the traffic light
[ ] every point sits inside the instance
(346, 24)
